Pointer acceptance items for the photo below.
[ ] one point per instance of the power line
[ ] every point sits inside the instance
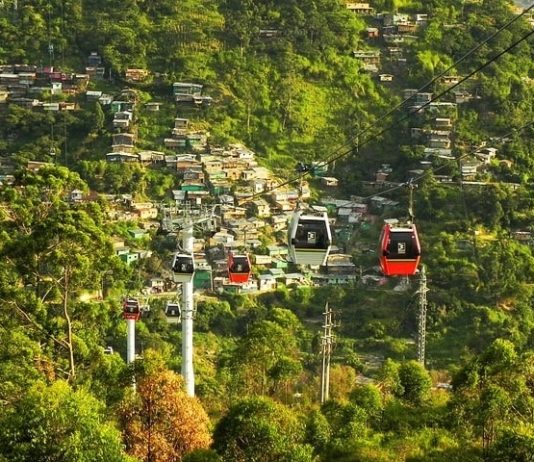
(402, 119)
(436, 169)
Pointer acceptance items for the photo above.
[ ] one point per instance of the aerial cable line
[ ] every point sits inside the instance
(435, 98)
(398, 106)
(437, 169)
(446, 71)
(402, 119)
(440, 75)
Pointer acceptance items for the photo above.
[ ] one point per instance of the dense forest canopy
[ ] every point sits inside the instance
(287, 83)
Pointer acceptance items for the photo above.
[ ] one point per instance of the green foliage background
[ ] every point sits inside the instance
(298, 96)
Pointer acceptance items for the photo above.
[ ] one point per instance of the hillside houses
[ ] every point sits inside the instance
(360, 8)
(122, 120)
(486, 155)
(370, 59)
(123, 142)
(29, 86)
(190, 93)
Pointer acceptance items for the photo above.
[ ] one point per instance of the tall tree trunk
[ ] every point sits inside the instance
(249, 113)
(72, 371)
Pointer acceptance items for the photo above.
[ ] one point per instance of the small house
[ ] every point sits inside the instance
(137, 233)
(361, 8)
(439, 139)
(151, 157)
(50, 107)
(76, 195)
(261, 208)
(442, 122)
(267, 282)
(421, 19)
(372, 32)
(67, 106)
(123, 140)
(122, 157)
(105, 99)
(122, 119)
(385, 77)
(367, 56)
(293, 279)
(277, 250)
(181, 123)
(486, 154)
(178, 195)
(470, 168)
(174, 143)
(329, 181)
(262, 260)
(136, 75)
(153, 107)
(450, 79)
(268, 33)
(93, 95)
(94, 59)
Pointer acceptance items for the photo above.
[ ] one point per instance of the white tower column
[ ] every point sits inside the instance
(130, 343)
(187, 319)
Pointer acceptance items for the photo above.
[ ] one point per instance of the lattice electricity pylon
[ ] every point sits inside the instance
(421, 321)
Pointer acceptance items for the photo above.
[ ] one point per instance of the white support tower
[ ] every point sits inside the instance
(187, 317)
(185, 220)
(327, 341)
(130, 341)
(421, 322)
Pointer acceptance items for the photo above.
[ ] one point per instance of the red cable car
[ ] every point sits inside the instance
(131, 309)
(400, 250)
(238, 268)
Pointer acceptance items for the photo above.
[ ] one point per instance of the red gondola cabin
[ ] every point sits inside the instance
(131, 309)
(238, 268)
(400, 250)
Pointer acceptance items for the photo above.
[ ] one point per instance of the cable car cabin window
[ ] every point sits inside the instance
(183, 265)
(240, 265)
(131, 307)
(402, 246)
(311, 235)
(172, 310)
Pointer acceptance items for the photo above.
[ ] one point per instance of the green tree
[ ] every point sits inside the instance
(369, 398)
(493, 394)
(100, 117)
(259, 429)
(57, 249)
(55, 423)
(415, 382)
(513, 447)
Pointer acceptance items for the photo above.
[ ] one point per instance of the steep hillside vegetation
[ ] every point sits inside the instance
(286, 82)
